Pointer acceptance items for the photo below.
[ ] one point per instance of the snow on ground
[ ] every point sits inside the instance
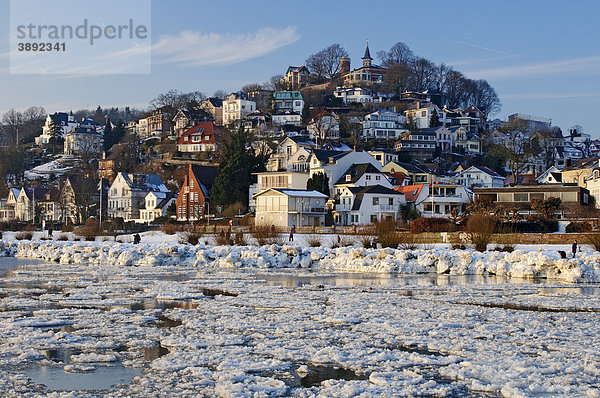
(158, 249)
(55, 167)
(210, 331)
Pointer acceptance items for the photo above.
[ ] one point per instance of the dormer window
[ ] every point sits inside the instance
(348, 177)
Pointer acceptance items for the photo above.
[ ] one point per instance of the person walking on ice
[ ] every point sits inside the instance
(292, 230)
(574, 248)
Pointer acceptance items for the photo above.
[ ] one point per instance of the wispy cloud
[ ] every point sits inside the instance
(474, 61)
(484, 48)
(192, 48)
(585, 65)
(546, 95)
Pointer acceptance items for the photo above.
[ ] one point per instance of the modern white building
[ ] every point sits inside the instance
(288, 100)
(277, 179)
(368, 204)
(439, 200)
(287, 116)
(284, 208)
(354, 94)
(237, 106)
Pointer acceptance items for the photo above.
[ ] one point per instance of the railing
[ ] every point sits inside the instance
(343, 207)
(386, 208)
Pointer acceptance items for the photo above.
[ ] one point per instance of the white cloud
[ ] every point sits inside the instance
(192, 48)
(585, 65)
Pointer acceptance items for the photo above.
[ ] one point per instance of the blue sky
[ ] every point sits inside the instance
(542, 57)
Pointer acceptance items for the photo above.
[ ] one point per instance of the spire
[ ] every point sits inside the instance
(367, 52)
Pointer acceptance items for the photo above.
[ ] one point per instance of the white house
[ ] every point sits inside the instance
(383, 125)
(7, 207)
(362, 175)
(421, 116)
(384, 157)
(335, 163)
(156, 205)
(441, 200)
(59, 123)
(83, 140)
(324, 126)
(277, 179)
(237, 106)
(366, 205)
(290, 147)
(287, 116)
(284, 208)
(479, 177)
(354, 94)
(550, 176)
(127, 194)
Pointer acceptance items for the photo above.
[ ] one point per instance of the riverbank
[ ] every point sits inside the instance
(530, 262)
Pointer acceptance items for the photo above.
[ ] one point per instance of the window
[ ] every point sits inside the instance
(375, 201)
(390, 201)
(368, 177)
(521, 197)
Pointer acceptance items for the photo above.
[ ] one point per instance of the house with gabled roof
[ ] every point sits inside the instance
(296, 77)
(237, 106)
(214, 106)
(550, 176)
(7, 206)
(194, 193)
(437, 200)
(479, 177)
(27, 201)
(156, 205)
(127, 194)
(184, 119)
(335, 163)
(362, 205)
(417, 174)
(199, 138)
(289, 148)
(285, 208)
(361, 175)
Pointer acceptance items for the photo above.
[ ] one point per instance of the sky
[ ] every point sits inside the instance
(542, 57)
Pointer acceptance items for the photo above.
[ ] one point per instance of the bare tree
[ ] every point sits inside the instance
(323, 124)
(423, 74)
(399, 54)
(33, 120)
(454, 93)
(482, 95)
(325, 64)
(173, 101)
(12, 121)
(220, 94)
(397, 79)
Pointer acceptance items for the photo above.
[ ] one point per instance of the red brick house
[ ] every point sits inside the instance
(194, 193)
(199, 138)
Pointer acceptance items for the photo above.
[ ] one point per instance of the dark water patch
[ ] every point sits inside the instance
(523, 307)
(60, 355)
(217, 292)
(164, 322)
(319, 373)
(413, 348)
(154, 352)
(101, 378)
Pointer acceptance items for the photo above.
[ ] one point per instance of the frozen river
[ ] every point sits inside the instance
(179, 331)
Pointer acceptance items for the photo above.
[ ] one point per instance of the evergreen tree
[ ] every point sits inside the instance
(318, 182)
(434, 120)
(108, 136)
(238, 161)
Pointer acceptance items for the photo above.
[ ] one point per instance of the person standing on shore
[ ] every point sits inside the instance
(574, 248)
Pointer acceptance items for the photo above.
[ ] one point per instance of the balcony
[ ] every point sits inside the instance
(386, 208)
(343, 207)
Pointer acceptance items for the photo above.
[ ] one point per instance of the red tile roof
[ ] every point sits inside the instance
(411, 192)
(202, 129)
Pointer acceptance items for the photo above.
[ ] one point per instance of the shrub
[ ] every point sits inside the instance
(170, 229)
(265, 235)
(530, 226)
(24, 235)
(314, 241)
(387, 236)
(366, 241)
(593, 239)
(578, 227)
(425, 224)
(481, 226)
(345, 240)
(191, 238)
(62, 237)
(223, 238)
(240, 239)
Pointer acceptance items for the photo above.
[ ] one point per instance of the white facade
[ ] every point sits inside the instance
(82, 140)
(127, 194)
(291, 151)
(384, 157)
(287, 117)
(324, 127)
(442, 200)
(383, 125)
(284, 208)
(342, 162)
(354, 94)
(156, 205)
(236, 106)
(276, 179)
(361, 206)
(476, 177)
(64, 122)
